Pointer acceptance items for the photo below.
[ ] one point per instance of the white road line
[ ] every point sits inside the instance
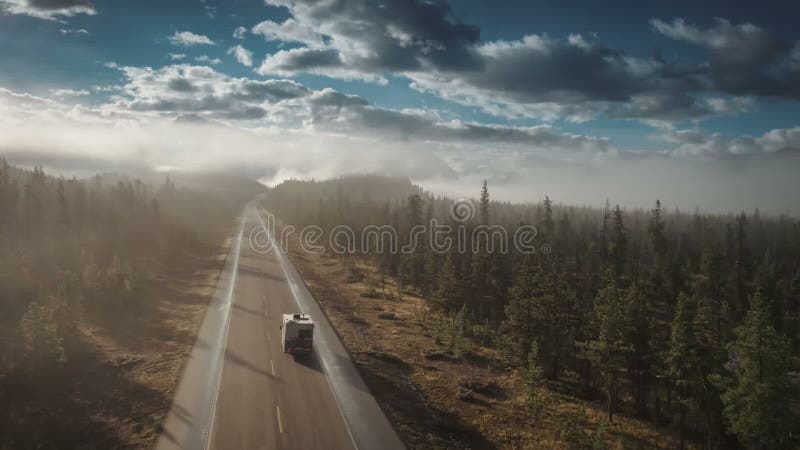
(280, 426)
(224, 346)
(273, 367)
(282, 261)
(268, 335)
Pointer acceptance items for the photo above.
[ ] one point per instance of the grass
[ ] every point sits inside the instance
(117, 383)
(437, 401)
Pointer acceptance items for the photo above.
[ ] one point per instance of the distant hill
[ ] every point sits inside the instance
(356, 188)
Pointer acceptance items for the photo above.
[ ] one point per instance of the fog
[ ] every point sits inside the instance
(516, 173)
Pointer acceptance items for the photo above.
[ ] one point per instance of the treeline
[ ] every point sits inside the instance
(74, 250)
(686, 319)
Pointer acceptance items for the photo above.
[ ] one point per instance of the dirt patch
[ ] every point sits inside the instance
(436, 400)
(115, 387)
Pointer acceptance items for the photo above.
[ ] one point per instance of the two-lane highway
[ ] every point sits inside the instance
(240, 391)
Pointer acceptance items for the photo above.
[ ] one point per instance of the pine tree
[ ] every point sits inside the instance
(618, 246)
(459, 323)
(656, 229)
(450, 291)
(682, 362)
(534, 380)
(639, 336)
(758, 401)
(608, 347)
(485, 203)
(555, 310)
(519, 327)
(709, 354)
(548, 225)
(40, 332)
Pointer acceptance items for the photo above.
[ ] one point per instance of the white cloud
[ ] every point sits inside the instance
(187, 39)
(176, 56)
(317, 62)
(208, 59)
(321, 134)
(291, 31)
(722, 36)
(239, 32)
(243, 55)
(48, 9)
(78, 32)
(68, 92)
(699, 143)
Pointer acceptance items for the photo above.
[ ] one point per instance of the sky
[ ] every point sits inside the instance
(694, 103)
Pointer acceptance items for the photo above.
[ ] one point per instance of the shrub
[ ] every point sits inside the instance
(387, 315)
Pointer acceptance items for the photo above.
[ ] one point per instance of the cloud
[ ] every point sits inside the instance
(176, 56)
(36, 130)
(537, 76)
(48, 9)
(210, 10)
(318, 62)
(699, 143)
(239, 32)
(289, 31)
(744, 58)
(187, 39)
(207, 59)
(78, 32)
(152, 125)
(334, 112)
(243, 55)
(744, 43)
(184, 89)
(68, 92)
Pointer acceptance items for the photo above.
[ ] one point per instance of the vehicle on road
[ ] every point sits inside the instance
(297, 334)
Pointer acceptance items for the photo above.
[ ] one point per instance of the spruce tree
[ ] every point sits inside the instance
(619, 242)
(682, 363)
(519, 327)
(607, 349)
(759, 399)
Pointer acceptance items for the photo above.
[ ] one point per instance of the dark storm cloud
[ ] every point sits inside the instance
(744, 59)
(394, 35)
(536, 76)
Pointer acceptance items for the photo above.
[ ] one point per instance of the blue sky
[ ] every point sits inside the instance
(477, 83)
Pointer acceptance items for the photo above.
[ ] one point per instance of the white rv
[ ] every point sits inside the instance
(297, 334)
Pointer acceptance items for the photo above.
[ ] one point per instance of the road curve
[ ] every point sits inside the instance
(240, 391)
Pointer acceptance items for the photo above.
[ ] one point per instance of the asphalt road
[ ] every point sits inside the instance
(240, 391)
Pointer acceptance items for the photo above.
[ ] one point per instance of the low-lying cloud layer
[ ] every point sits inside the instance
(185, 117)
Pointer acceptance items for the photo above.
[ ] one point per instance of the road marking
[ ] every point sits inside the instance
(268, 335)
(282, 261)
(224, 347)
(273, 367)
(280, 427)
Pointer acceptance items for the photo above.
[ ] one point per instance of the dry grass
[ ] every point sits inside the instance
(436, 401)
(115, 387)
